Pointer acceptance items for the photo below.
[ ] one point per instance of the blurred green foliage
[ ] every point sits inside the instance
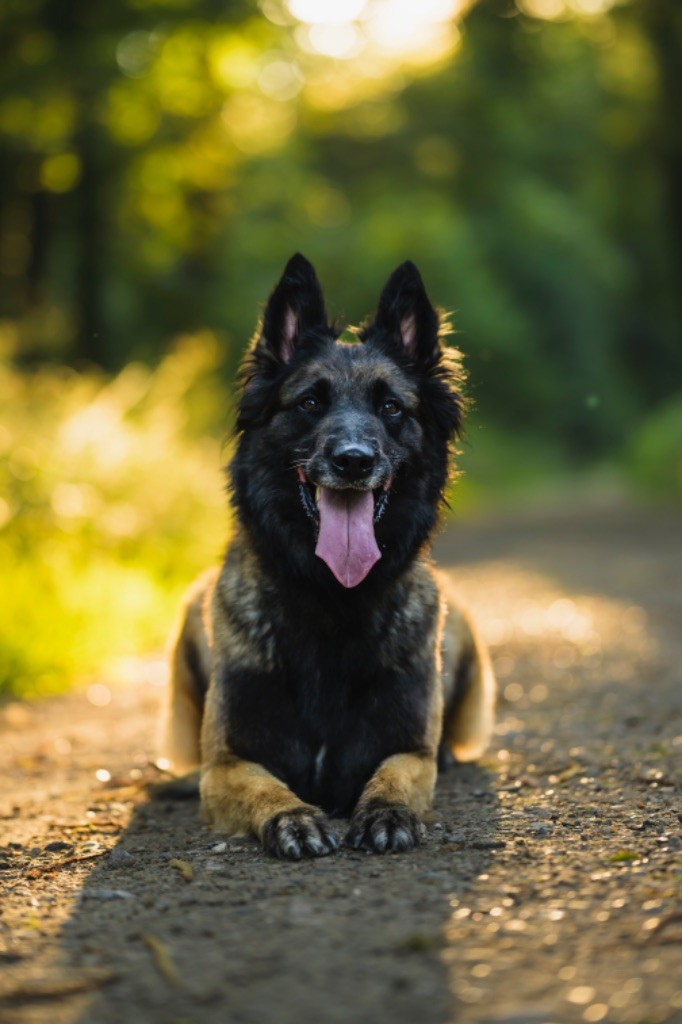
(656, 453)
(111, 499)
(161, 159)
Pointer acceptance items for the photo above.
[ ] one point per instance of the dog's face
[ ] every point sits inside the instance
(343, 447)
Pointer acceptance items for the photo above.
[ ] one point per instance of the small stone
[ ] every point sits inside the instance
(489, 844)
(108, 894)
(455, 837)
(539, 812)
(541, 831)
(219, 848)
(58, 846)
(121, 857)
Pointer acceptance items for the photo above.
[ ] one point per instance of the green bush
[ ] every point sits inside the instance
(495, 467)
(111, 499)
(656, 455)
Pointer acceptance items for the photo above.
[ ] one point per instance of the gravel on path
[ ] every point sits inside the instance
(547, 890)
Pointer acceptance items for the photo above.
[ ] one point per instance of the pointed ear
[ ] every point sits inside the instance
(406, 317)
(295, 306)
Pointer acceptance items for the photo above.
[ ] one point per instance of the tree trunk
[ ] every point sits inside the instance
(90, 341)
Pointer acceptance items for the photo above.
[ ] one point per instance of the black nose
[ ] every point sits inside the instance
(353, 461)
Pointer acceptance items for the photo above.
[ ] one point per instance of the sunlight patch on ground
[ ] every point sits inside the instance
(540, 638)
(580, 729)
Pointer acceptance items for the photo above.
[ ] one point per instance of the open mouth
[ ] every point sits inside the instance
(345, 519)
(310, 494)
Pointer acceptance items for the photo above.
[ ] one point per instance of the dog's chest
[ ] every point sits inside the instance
(323, 725)
(335, 692)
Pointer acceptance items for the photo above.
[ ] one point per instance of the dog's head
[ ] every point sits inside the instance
(344, 448)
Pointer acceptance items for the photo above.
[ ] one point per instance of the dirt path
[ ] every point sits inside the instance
(545, 892)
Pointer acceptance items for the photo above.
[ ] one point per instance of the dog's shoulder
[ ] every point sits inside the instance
(240, 623)
(423, 587)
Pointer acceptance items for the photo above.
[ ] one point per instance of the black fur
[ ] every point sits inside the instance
(351, 678)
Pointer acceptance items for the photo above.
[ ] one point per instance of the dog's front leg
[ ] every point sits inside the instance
(387, 817)
(241, 797)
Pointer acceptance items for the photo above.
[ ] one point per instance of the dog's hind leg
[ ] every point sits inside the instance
(190, 665)
(468, 690)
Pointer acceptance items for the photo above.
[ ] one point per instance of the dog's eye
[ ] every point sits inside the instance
(390, 407)
(309, 404)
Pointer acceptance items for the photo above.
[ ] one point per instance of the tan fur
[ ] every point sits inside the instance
(407, 779)
(468, 724)
(182, 723)
(240, 797)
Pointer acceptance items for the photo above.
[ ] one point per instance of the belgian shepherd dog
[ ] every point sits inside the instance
(325, 669)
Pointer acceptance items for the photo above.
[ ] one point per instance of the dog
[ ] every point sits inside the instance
(325, 669)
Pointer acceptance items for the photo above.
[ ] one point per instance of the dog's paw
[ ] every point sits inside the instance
(301, 832)
(384, 828)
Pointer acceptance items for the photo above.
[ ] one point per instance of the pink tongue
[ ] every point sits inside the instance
(346, 540)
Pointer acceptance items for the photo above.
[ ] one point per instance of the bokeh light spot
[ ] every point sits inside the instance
(340, 41)
(61, 172)
(513, 692)
(99, 695)
(581, 994)
(326, 12)
(280, 80)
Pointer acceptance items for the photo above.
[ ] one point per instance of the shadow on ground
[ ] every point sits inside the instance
(350, 937)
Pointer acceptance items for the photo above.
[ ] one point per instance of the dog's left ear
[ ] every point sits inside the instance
(295, 306)
(405, 316)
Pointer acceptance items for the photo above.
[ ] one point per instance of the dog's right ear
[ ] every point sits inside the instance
(405, 319)
(295, 307)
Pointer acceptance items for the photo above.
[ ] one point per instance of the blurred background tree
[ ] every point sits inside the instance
(161, 159)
